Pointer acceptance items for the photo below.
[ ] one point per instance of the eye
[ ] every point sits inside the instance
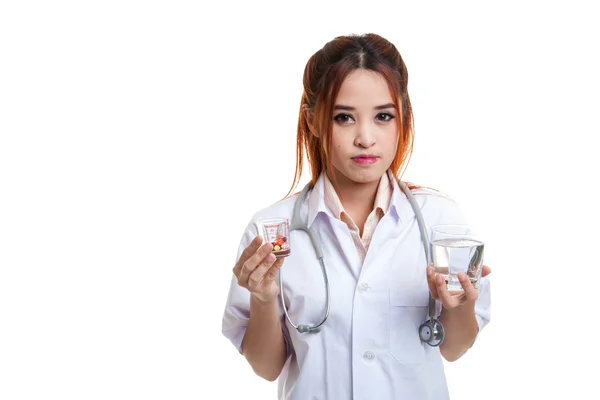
(385, 117)
(343, 118)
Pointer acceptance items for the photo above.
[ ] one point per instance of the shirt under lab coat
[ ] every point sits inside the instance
(369, 347)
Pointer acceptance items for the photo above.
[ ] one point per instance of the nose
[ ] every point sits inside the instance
(365, 136)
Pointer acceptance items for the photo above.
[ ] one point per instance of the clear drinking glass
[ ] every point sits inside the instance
(277, 231)
(456, 249)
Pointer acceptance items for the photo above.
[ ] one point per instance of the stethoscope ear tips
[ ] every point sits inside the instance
(432, 333)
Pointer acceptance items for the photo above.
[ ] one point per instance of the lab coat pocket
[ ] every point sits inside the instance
(408, 310)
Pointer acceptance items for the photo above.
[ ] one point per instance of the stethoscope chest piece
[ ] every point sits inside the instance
(432, 332)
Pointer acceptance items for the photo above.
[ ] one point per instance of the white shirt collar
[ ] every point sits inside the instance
(399, 205)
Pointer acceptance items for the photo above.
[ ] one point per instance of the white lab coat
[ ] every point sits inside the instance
(369, 347)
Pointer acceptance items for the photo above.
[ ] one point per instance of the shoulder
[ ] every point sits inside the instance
(280, 209)
(439, 206)
(426, 194)
(424, 190)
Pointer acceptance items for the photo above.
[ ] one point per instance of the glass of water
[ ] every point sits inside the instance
(455, 249)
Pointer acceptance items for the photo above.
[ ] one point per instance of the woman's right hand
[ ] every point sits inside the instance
(257, 268)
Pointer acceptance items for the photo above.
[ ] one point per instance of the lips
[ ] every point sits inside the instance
(365, 159)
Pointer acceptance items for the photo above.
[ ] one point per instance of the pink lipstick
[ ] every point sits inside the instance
(365, 159)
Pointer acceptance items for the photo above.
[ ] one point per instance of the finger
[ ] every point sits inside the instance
(470, 292)
(445, 297)
(247, 253)
(431, 283)
(272, 272)
(256, 277)
(252, 263)
(485, 271)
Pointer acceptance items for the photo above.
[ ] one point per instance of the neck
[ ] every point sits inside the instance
(357, 198)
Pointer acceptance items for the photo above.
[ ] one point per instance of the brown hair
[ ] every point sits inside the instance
(323, 76)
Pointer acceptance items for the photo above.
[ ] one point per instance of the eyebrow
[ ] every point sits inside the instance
(348, 108)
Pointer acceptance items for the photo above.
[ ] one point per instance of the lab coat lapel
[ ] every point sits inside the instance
(346, 248)
(335, 235)
(383, 242)
(391, 227)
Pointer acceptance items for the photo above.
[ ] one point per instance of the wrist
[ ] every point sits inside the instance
(464, 310)
(262, 300)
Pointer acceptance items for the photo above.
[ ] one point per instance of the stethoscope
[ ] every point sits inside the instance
(430, 332)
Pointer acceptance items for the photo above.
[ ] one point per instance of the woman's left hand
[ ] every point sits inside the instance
(437, 287)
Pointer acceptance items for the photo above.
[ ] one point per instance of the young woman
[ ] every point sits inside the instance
(355, 125)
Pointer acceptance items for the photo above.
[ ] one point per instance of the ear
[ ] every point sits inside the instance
(309, 117)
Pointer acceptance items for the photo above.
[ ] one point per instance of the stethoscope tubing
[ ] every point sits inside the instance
(433, 324)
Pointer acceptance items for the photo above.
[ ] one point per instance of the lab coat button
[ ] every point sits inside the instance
(369, 355)
(363, 287)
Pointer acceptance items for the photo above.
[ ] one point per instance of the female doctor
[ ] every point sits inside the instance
(355, 125)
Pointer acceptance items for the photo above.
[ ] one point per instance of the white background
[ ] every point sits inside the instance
(127, 126)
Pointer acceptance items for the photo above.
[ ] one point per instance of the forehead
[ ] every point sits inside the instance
(364, 88)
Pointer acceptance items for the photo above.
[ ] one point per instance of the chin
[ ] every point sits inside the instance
(360, 175)
(364, 177)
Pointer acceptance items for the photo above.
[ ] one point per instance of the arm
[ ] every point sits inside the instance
(263, 344)
(460, 330)
(459, 313)
(253, 309)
